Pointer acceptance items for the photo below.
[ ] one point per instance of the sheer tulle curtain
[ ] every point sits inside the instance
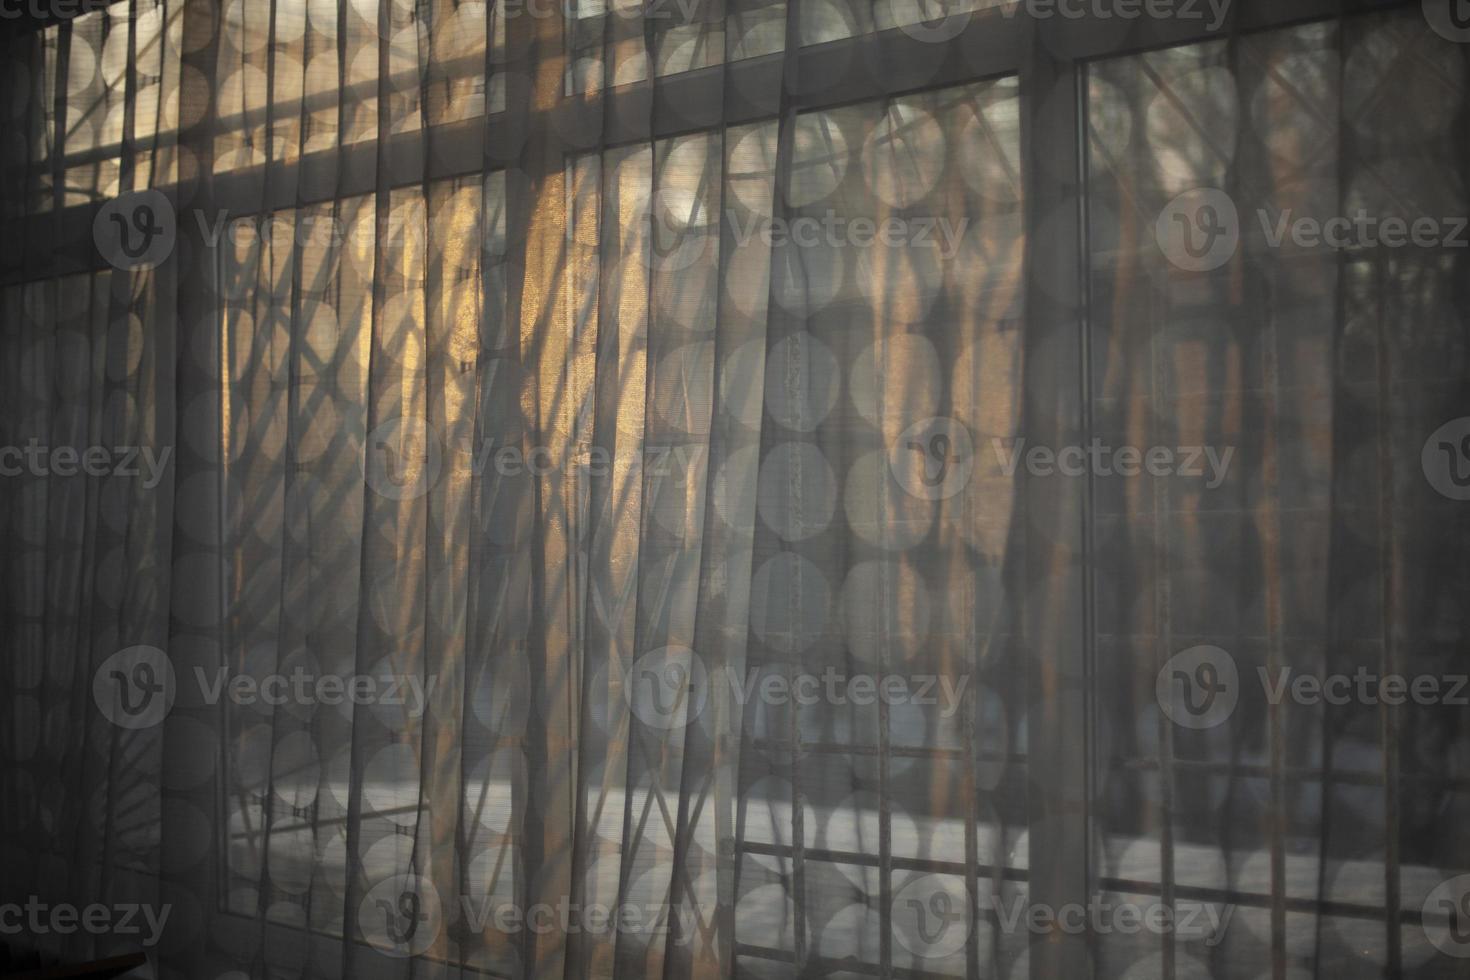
(1328, 823)
(552, 426)
(468, 371)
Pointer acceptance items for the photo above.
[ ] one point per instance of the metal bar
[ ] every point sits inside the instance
(1057, 522)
